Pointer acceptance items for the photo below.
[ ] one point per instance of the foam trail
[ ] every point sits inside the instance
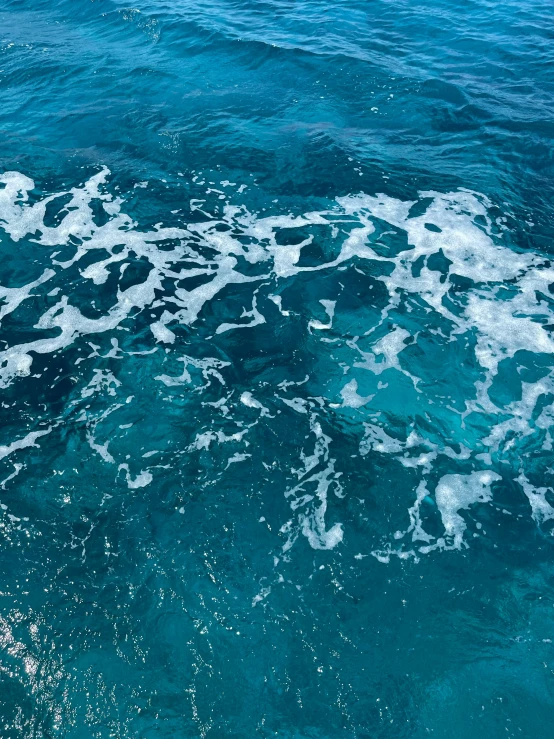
(472, 432)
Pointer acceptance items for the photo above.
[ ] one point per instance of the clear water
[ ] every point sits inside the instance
(276, 367)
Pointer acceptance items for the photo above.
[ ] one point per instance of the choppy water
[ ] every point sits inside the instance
(276, 369)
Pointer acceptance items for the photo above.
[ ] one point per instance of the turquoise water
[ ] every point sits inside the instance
(276, 369)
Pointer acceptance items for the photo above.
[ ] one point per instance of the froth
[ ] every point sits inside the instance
(503, 312)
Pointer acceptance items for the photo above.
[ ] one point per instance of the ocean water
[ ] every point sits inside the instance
(276, 369)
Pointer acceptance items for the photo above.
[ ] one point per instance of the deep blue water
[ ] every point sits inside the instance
(276, 369)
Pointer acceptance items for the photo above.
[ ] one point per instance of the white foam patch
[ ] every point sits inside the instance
(254, 314)
(250, 401)
(209, 368)
(310, 496)
(101, 380)
(453, 493)
(376, 438)
(205, 439)
(279, 303)
(458, 492)
(541, 508)
(351, 398)
(26, 441)
(141, 480)
(329, 306)
(14, 296)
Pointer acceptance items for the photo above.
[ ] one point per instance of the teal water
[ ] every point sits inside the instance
(276, 369)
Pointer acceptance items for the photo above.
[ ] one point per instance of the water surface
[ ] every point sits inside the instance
(276, 369)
